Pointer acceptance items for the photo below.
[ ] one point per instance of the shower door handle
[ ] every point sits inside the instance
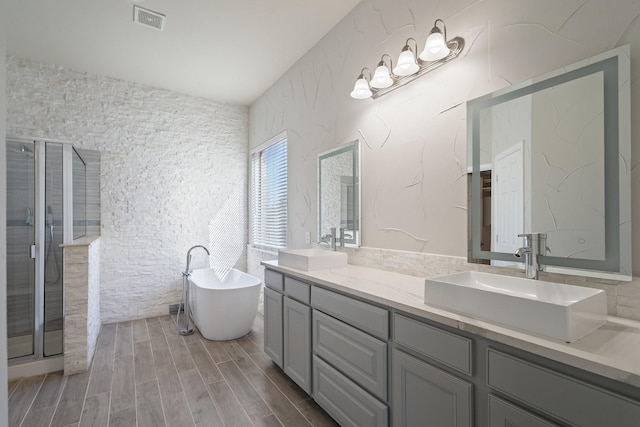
(32, 251)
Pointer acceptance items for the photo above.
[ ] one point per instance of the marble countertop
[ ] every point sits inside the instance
(83, 241)
(613, 350)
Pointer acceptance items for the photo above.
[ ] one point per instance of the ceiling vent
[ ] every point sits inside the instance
(148, 17)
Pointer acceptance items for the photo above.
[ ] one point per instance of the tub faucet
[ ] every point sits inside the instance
(331, 237)
(534, 245)
(189, 256)
(187, 328)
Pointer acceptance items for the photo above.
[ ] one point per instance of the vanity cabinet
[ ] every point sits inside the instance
(370, 365)
(287, 316)
(297, 343)
(273, 321)
(557, 395)
(350, 359)
(423, 391)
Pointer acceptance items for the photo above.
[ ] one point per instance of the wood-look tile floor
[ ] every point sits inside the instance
(145, 374)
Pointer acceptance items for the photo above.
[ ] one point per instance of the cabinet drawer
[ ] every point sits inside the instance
(363, 316)
(503, 413)
(359, 356)
(347, 403)
(297, 290)
(274, 280)
(568, 399)
(447, 348)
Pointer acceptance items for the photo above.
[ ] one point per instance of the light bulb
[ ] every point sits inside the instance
(436, 46)
(361, 89)
(407, 64)
(381, 78)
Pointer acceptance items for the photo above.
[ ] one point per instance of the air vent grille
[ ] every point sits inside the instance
(148, 17)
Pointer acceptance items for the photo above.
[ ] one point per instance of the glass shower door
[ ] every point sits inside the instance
(21, 281)
(53, 236)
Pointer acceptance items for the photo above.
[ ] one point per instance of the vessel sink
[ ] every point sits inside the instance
(553, 310)
(312, 259)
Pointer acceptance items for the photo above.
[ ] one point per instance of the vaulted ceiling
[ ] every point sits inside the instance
(227, 50)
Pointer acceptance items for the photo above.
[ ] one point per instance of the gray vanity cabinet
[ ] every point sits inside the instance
(273, 318)
(572, 401)
(287, 317)
(297, 343)
(350, 359)
(422, 391)
(368, 365)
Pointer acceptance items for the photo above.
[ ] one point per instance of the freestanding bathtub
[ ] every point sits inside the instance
(224, 302)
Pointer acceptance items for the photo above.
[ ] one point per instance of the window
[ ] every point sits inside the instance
(269, 194)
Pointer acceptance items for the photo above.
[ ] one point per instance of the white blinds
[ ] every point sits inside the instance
(269, 196)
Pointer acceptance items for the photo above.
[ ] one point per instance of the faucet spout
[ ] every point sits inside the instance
(331, 239)
(189, 256)
(533, 244)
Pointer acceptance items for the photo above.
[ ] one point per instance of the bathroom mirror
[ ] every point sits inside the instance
(339, 193)
(552, 155)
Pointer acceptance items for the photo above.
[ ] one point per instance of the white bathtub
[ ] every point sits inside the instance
(224, 302)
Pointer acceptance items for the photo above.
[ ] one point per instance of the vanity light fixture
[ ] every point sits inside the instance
(382, 77)
(437, 51)
(436, 46)
(407, 61)
(361, 90)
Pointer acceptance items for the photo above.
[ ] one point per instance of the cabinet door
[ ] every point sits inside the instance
(503, 413)
(297, 343)
(273, 326)
(424, 395)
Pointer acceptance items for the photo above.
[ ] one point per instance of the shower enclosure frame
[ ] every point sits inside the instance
(38, 250)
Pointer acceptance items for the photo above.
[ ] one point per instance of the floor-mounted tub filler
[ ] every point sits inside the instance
(224, 302)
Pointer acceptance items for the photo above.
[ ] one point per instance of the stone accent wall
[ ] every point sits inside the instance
(82, 304)
(173, 175)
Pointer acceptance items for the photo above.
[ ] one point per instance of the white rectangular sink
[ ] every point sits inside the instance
(312, 259)
(553, 310)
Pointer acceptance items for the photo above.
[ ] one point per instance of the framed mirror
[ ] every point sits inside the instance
(552, 155)
(339, 192)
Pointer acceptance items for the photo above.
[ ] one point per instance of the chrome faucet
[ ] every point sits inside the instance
(186, 271)
(187, 328)
(331, 237)
(534, 245)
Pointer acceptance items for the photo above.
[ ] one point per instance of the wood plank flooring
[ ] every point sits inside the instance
(145, 374)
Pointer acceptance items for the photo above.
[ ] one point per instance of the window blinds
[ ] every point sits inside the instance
(269, 196)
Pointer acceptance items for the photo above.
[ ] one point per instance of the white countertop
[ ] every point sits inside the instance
(613, 350)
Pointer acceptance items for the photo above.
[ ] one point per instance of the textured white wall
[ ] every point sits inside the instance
(414, 192)
(173, 175)
(414, 142)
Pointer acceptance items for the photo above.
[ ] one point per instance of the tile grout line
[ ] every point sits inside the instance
(16, 387)
(175, 366)
(66, 378)
(32, 400)
(268, 379)
(281, 390)
(202, 378)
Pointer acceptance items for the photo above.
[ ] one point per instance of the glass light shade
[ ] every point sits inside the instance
(407, 64)
(381, 78)
(361, 89)
(435, 48)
